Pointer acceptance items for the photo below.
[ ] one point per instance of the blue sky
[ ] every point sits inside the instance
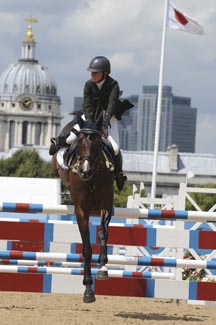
(70, 33)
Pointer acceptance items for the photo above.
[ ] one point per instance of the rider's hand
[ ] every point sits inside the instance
(106, 120)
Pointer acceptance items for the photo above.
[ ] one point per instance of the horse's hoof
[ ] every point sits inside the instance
(102, 275)
(89, 297)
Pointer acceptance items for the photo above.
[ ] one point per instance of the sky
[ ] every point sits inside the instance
(129, 32)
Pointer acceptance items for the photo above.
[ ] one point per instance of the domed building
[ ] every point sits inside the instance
(29, 104)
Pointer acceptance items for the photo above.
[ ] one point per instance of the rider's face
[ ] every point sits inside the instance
(97, 76)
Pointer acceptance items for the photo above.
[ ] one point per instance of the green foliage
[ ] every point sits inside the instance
(204, 201)
(120, 198)
(26, 163)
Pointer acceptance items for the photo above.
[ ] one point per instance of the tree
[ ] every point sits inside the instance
(26, 163)
(120, 198)
(204, 201)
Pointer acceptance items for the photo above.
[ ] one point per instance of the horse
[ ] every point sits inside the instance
(90, 179)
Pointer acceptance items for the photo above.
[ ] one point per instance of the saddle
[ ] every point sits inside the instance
(66, 156)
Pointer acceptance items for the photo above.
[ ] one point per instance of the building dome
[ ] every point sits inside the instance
(27, 77)
(30, 111)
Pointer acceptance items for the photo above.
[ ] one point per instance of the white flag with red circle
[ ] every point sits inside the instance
(178, 20)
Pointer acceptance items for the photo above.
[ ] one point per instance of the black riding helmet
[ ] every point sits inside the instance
(100, 63)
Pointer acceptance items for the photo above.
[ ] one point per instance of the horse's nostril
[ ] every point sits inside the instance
(85, 176)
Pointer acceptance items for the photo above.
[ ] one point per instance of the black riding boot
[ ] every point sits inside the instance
(57, 143)
(119, 175)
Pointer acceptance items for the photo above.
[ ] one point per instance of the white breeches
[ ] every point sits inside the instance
(113, 134)
(72, 137)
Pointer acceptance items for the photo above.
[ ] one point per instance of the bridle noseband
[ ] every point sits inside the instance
(93, 161)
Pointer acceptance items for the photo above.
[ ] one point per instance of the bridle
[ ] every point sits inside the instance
(88, 164)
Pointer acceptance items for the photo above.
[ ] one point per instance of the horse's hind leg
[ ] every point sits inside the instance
(103, 235)
(87, 256)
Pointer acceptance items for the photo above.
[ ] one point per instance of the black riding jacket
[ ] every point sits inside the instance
(97, 100)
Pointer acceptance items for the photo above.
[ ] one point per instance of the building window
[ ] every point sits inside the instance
(50, 107)
(2, 104)
(37, 133)
(24, 132)
(11, 134)
(13, 104)
(39, 106)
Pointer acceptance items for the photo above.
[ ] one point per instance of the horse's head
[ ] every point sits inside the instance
(88, 150)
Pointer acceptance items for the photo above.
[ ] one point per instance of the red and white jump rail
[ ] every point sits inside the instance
(40, 233)
(112, 259)
(117, 212)
(120, 283)
(42, 263)
(78, 271)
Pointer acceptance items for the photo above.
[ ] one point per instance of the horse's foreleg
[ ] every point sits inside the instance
(103, 235)
(87, 256)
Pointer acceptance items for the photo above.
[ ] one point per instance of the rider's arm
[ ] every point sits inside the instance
(113, 98)
(88, 100)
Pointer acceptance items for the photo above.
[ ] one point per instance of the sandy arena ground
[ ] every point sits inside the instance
(54, 309)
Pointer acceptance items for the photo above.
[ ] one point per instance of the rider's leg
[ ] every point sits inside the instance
(113, 137)
(64, 140)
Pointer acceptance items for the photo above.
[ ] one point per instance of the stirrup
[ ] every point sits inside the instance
(120, 180)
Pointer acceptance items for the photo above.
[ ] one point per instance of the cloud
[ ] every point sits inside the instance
(101, 18)
(122, 61)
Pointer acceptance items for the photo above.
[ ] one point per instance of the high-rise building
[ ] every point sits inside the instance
(78, 104)
(128, 126)
(177, 125)
(147, 109)
(184, 124)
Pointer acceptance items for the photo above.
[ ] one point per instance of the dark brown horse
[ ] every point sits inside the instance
(90, 181)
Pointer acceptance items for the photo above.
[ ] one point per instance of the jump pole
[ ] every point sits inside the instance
(112, 259)
(42, 263)
(77, 271)
(117, 212)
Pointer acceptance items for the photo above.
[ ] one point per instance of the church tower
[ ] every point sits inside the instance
(29, 105)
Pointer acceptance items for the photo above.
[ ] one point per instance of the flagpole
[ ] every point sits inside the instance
(159, 102)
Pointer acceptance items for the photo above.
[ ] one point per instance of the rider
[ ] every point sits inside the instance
(101, 100)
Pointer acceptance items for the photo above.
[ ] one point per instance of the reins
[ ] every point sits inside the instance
(95, 162)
